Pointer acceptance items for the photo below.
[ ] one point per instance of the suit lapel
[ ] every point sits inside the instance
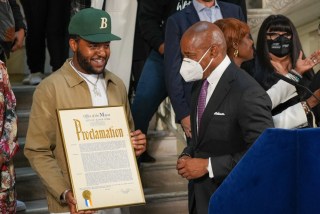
(221, 91)
(194, 103)
(192, 15)
(225, 11)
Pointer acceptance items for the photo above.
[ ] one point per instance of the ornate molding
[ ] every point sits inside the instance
(255, 18)
(278, 6)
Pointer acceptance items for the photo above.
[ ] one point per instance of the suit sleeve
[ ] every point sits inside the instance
(173, 78)
(240, 3)
(254, 116)
(242, 12)
(18, 19)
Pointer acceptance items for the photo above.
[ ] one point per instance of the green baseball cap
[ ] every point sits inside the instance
(93, 25)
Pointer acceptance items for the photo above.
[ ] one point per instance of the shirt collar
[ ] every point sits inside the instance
(74, 79)
(200, 7)
(216, 74)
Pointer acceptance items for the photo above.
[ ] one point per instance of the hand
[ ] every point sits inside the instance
(139, 142)
(161, 49)
(303, 65)
(18, 41)
(315, 57)
(186, 125)
(71, 201)
(312, 101)
(192, 168)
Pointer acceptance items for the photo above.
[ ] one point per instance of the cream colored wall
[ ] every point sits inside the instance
(310, 38)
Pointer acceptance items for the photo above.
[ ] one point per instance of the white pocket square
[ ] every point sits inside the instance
(219, 113)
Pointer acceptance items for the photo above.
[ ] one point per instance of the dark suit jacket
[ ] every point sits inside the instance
(238, 111)
(179, 91)
(241, 3)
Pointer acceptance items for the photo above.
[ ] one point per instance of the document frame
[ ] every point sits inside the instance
(102, 166)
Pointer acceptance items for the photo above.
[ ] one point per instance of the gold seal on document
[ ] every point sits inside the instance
(86, 195)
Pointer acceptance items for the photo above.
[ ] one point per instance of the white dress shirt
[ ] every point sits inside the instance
(213, 80)
(209, 14)
(98, 80)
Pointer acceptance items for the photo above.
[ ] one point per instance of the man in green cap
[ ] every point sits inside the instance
(82, 81)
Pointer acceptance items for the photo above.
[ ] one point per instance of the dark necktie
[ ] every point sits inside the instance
(202, 101)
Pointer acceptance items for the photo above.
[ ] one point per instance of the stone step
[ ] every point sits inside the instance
(23, 121)
(19, 159)
(173, 206)
(161, 173)
(28, 185)
(36, 207)
(170, 200)
(23, 95)
(164, 143)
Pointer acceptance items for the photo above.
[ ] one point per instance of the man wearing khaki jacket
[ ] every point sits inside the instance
(81, 82)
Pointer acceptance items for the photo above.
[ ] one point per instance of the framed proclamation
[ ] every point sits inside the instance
(101, 161)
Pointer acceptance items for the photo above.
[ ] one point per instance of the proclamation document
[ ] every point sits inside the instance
(101, 160)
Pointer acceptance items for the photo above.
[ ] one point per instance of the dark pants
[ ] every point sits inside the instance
(47, 23)
(151, 91)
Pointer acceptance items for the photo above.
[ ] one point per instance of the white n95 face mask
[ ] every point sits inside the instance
(191, 70)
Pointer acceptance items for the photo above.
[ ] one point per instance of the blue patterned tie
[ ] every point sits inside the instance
(202, 101)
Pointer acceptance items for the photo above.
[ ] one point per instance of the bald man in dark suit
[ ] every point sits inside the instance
(178, 90)
(237, 110)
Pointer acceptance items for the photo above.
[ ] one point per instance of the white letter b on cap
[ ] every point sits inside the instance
(104, 23)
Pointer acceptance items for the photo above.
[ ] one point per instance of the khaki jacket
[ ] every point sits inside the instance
(44, 149)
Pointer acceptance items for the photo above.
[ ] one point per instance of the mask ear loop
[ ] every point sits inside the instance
(203, 57)
(208, 65)
(204, 54)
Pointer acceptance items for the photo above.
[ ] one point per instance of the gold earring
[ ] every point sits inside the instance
(236, 53)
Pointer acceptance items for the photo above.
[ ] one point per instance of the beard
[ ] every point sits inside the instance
(84, 63)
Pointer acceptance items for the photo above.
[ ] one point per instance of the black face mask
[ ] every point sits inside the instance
(279, 47)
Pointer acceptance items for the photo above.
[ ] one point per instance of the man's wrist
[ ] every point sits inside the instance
(63, 196)
(184, 154)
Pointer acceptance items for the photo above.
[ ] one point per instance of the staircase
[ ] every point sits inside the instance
(165, 191)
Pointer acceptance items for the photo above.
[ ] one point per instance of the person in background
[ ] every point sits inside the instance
(179, 90)
(8, 143)
(12, 28)
(140, 53)
(242, 4)
(47, 23)
(279, 50)
(229, 110)
(12, 33)
(151, 90)
(240, 49)
(82, 81)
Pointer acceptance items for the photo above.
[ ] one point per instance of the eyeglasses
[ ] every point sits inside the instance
(274, 35)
